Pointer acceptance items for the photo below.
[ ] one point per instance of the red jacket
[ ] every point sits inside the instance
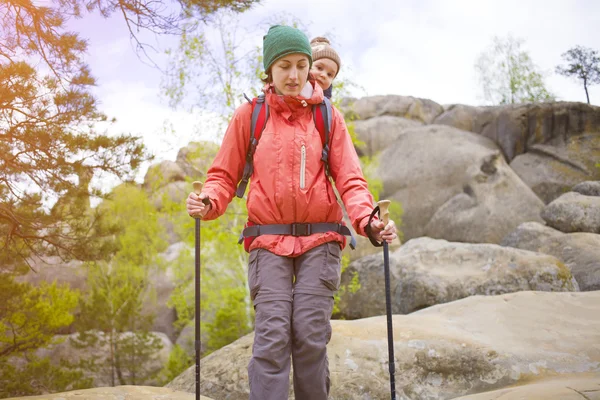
(289, 182)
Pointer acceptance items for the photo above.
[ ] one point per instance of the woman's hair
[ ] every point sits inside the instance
(269, 77)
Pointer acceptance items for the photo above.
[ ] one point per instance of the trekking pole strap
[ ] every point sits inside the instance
(297, 229)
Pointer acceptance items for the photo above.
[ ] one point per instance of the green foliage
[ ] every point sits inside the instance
(352, 287)
(38, 376)
(31, 317)
(584, 64)
(178, 362)
(230, 321)
(111, 313)
(50, 147)
(508, 75)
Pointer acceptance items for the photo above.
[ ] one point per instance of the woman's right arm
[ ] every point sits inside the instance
(228, 166)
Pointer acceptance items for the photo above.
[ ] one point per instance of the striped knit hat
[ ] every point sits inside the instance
(321, 48)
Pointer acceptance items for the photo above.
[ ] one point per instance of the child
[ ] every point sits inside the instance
(326, 64)
(294, 263)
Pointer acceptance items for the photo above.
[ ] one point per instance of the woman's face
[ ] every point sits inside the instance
(324, 70)
(290, 74)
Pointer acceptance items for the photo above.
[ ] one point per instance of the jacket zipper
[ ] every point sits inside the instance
(302, 166)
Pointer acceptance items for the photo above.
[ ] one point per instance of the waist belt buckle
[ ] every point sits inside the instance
(301, 230)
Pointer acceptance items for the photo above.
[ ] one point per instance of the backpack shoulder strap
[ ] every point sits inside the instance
(260, 114)
(322, 114)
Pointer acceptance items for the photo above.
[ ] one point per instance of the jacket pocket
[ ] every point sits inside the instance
(253, 278)
(331, 270)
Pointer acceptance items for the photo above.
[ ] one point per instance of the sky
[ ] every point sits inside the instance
(420, 48)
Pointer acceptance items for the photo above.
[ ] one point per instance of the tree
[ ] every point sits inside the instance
(584, 64)
(508, 75)
(111, 311)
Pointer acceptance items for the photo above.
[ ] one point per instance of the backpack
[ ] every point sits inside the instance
(322, 114)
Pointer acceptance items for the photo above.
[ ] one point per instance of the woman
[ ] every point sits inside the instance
(292, 276)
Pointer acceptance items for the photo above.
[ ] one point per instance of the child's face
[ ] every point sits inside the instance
(324, 70)
(290, 74)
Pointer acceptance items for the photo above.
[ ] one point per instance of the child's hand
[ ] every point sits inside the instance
(381, 233)
(195, 205)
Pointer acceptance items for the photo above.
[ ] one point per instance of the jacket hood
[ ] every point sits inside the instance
(290, 105)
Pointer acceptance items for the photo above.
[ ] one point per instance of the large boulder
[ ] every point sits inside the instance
(162, 173)
(378, 133)
(175, 192)
(588, 188)
(196, 157)
(425, 272)
(117, 393)
(579, 251)
(515, 128)
(574, 212)
(423, 110)
(551, 170)
(430, 165)
(576, 387)
(465, 347)
(493, 203)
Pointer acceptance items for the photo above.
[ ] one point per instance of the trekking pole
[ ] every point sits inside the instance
(198, 189)
(384, 215)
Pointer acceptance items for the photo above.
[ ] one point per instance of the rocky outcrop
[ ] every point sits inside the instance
(454, 185)
(576, 387)
(580, 252)
(117, 393)
(425, 272)
(423, 110)
(474, 345)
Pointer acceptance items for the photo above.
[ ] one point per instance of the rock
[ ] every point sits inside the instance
(162, 173)
(551, 171)
(117, 393)
(493, 203)
(409, 107)
(579, 251)
(574, 212)
(466, 118)
(377, 133)
(53, 269)
(427, 166)
(196, 158)
(576, 387)
(465, 347)
(425, 272)
(175, 192)
(589, 188)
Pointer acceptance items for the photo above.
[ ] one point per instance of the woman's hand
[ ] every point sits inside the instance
(381, 232)
(195, 205)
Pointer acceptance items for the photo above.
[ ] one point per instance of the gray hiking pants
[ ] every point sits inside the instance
(292, 318)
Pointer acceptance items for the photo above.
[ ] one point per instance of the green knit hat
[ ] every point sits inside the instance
(283, 40)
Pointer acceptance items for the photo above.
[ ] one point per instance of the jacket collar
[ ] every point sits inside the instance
(291, 107)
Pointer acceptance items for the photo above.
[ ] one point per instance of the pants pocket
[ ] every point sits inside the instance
(253, 279)
(331, 270)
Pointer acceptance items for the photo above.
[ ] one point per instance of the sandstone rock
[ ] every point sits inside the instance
(117, 393)
(465, 347)
(175, 192)
(162, 173)
(579, 251)
(427, 166)
(576, 387)
(574, 212)
(589, 188)
(493, 203)
(379, 132)
(425, 272)
(423, 110)
(196, 157)
(551, 171)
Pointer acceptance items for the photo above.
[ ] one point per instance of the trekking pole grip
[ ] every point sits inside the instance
(384, 213)
(198, 189)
